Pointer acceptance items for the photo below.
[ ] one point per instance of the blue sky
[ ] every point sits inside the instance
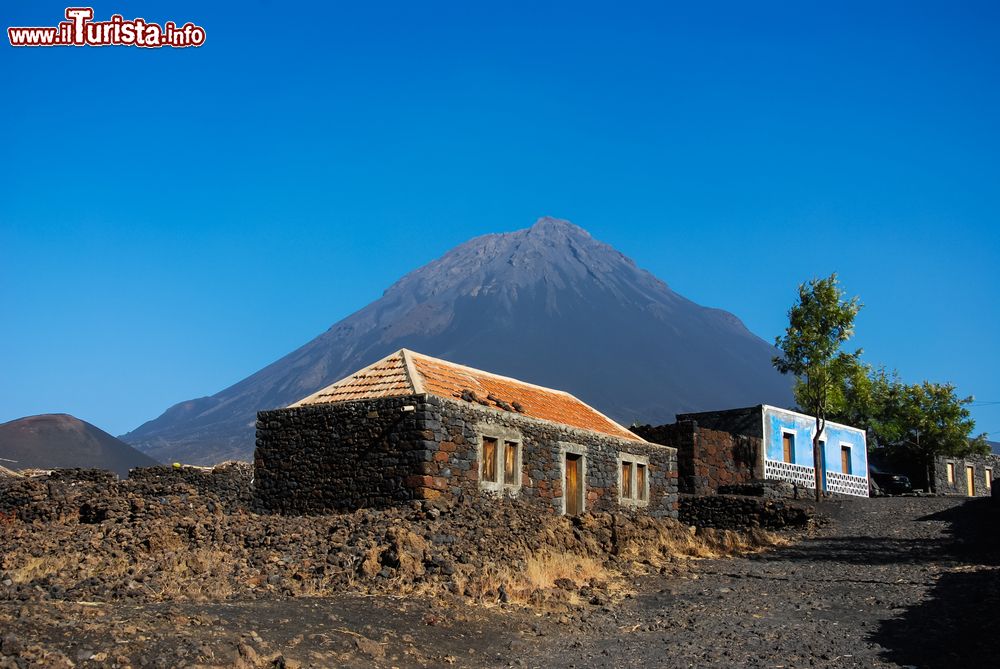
(173, 220)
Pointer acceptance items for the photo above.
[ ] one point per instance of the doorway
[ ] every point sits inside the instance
(970, 480)
(574, 484)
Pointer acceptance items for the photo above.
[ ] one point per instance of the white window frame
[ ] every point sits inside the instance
(634, 460)
(502, 436)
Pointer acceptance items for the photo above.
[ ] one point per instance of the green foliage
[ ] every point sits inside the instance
(919, 421)
(819, 324)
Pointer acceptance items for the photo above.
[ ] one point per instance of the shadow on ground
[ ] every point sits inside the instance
(956, 624)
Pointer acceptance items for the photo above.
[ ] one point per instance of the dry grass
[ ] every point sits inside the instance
(681, 542)
(538, 580)
(542, 571)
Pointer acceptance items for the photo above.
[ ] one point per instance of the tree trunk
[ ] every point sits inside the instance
(818, 456)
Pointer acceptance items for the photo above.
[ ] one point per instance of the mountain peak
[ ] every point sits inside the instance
(551, 224)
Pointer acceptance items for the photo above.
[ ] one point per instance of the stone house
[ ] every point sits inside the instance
(764, 442)
(970, 476)
(413, 427)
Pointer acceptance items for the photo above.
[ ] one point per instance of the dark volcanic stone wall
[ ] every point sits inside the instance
(95, 495)
(707, 459)
(746, 421)
(231, 482)
(979, 462)
(732, 512)
(349, 455)
(370, 454)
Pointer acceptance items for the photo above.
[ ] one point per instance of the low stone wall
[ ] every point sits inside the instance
(229, 482)
(733, 512)
(981, 464)
(706, 458)
(94, 495)
(372, 453)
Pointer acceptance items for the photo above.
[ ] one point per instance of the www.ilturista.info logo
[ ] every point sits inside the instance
(81, 30)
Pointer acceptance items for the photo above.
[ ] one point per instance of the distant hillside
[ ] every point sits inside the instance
(994, 446)
(57, 440)
(550, 305)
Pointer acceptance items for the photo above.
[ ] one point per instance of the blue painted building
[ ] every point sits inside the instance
(787, 443)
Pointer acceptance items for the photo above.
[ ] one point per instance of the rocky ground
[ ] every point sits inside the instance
(179, 579)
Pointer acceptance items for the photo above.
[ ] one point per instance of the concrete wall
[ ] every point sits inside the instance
(980, 465)
(777, 421)
(371, 453)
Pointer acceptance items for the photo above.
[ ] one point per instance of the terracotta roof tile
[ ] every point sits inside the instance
(386, 378)
(406, 372)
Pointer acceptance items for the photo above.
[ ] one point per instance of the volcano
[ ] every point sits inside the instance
(548, 304)
(52, 441)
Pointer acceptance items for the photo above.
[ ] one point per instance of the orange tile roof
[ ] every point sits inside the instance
(407, 373)
(386, 378)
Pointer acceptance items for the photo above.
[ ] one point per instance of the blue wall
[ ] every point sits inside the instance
(805, 427)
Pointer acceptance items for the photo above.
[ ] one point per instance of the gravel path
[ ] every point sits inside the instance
(890, 582)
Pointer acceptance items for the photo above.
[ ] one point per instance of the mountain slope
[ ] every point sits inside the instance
(548, 304)
(50, 441)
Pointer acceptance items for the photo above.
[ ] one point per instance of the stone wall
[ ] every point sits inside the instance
(979, 463)
(230, 482)
(348, 455)
(95, 495)
(732, 512)
(370, 454)
(707, 458)
(748, 421)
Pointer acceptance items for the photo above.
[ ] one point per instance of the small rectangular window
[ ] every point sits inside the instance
(845, 459)
(510, 463)
(640, 482)
(788, 446)
(989, 478)
(951, 472)
(626, 480)
(489, 459)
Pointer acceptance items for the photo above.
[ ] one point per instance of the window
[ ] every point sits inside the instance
(489, 460)
(951, 473)
(989, 478)
(845, 459)
(633, 477)
(500, 463)
(510, 469)
(788, 446)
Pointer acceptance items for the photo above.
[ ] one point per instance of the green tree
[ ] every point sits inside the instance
(872, 400)
(911, 423)
(819, 324)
